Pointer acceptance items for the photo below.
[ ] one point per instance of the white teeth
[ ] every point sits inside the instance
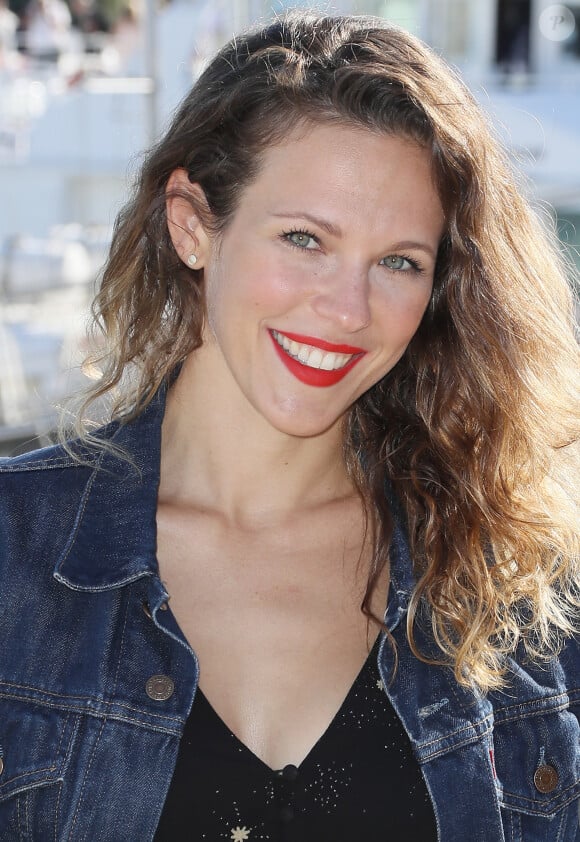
(311, 356)
(315, 358)
(327, 363)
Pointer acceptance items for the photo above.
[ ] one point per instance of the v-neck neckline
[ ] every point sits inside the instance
(201, 698)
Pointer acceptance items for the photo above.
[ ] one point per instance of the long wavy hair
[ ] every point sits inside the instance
(475, 426)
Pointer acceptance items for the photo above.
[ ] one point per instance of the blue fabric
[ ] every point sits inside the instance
(87, 754)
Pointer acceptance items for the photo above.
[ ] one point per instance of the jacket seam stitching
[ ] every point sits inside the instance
(532, 714)
(553, 800)
(447, 749)
(41, 465)
(57, 811)
(471, 727)
(78, 519)
(149, 726)
(543, 813)
(108, 714)
(534, 702)
(80, 799)
(90, 710)
(121, 644)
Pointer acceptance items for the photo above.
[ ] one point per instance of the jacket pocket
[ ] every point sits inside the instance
(536, 756)
(35, 743)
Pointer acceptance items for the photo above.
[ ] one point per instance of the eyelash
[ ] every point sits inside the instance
(302, 231)
(415, 265)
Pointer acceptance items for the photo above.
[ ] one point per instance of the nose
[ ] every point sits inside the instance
(344, 300)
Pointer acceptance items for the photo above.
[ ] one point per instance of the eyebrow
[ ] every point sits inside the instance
(415, 246)
(329, 227)
(336, 231)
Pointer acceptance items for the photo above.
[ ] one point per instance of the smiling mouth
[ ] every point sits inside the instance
(313, 361)
(312, 356)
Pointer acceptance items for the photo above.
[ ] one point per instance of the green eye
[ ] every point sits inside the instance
(394, 261)
(399, 263)
(302, 239)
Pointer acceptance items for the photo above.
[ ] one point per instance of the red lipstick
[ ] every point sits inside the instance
(322, 344)
(317, 376)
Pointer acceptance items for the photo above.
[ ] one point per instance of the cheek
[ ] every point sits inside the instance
(415, 315)
(401, 313)
(220, 295)
(267, 288)
(241, 293)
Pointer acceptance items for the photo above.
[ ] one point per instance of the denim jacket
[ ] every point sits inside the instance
(96, 678)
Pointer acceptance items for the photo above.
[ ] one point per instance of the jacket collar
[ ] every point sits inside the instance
(114, 537)
(401, 574)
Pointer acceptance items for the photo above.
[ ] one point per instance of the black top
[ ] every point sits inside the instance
(360, 780)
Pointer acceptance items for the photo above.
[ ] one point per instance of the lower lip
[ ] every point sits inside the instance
(314, 376)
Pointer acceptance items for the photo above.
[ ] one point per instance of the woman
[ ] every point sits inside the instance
(341, 355)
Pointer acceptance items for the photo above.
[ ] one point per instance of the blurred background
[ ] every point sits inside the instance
(87, 85)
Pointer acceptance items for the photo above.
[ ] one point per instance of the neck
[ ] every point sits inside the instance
(219, 453)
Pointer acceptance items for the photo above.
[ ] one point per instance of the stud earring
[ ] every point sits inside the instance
(192, 260)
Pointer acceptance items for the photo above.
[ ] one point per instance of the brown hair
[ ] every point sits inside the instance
(474, 426)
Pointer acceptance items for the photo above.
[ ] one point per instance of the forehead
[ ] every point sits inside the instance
(357, 176)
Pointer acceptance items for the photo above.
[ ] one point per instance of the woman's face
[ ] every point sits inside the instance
(323, 274)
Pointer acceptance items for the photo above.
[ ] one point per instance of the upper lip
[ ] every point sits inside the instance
(322, 343)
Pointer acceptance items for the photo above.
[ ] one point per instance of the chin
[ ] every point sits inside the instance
(304, 425)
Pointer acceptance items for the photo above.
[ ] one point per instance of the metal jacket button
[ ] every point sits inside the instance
(1, 765)
(160, 688)
(546, 778)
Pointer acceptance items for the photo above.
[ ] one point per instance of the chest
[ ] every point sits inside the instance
(274, 618)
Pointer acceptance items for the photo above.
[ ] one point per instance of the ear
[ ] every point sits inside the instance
(182, 203)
